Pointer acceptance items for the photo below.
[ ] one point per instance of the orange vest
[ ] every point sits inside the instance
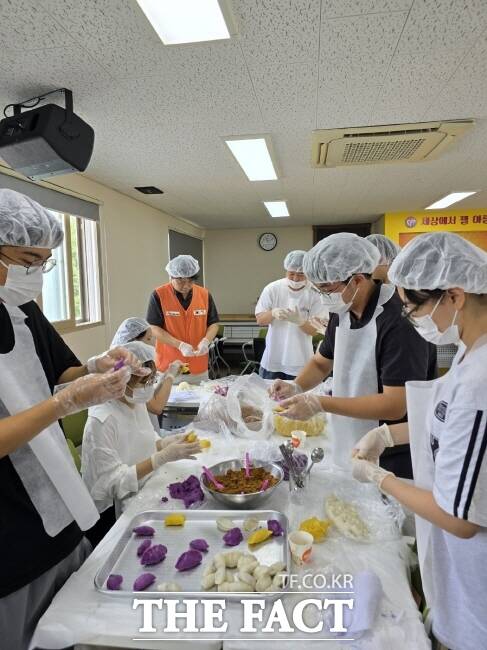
(188, 325)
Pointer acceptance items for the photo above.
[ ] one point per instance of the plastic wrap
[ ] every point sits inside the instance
(246, 410)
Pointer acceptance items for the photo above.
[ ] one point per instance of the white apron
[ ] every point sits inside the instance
(44, 465)
(420, 397)
(354, 375)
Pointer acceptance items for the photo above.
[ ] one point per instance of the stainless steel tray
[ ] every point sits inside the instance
(123, 559)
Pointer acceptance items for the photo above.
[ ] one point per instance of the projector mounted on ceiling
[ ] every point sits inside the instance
(46, 141)
(393, 143)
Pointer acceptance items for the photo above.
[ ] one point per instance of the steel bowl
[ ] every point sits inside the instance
(241, 500)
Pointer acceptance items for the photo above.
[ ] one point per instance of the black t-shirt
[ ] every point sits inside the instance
(26, 550)
(155, 315)
(401, 354)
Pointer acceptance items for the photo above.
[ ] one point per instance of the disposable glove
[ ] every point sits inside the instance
(373, 443)
(367, 472)
(90, 390)
(170, 440)
(186, 349)
(173, 370)
(295, 317)
(281, 389)
(278, 313)
(107, 361)
(319, 324)
(301, 407)
(176, 451)
(203, 347)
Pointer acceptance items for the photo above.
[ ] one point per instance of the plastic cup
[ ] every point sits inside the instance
(300, 545)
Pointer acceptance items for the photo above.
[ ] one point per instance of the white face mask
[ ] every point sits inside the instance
(20, 287)
(335, 303)
(428, 329)
(141, 394)
(296, 285)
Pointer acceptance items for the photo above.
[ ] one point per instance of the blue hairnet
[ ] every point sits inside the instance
(129, 330)
(294, 261)
(387, 248)
(183, 266)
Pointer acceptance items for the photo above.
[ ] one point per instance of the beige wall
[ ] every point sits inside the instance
(378, 227)
(237, 269)
(134, 247)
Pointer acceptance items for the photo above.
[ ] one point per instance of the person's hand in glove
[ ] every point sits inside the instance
(373, 443)
(186, 349)
(281, 389)
(279, 314)
(108, 360)
(319, 324)
(170, 440)
(367, 472)
(176, 451)
(90, 390)
(203, 347)
(301, 407)
(174, 369)
(294, 316)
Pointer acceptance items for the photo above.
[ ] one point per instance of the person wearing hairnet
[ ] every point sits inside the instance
(44, 504)
(442, 280)
(184, 319)
(133, 329)
(388, 251)
(120, 446)
(293, 313)
(370, 348)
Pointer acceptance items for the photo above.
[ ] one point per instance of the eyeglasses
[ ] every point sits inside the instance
(44, 265)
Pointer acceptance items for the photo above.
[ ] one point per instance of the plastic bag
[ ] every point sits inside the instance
(246, 411)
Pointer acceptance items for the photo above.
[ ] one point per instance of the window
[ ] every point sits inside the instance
(71, 294)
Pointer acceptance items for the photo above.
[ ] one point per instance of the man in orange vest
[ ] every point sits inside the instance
(184, 319)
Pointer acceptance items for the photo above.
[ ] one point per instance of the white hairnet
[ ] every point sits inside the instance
(24, 222)
(339, 256)
(294, 261)
(183, 266)
(440, 260)
(387, 248)
(129, 330)
(142, 351)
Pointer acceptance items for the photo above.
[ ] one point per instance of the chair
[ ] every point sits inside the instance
(253, 351)
(74, 426)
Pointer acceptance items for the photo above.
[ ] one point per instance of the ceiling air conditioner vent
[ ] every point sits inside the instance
(372, 145)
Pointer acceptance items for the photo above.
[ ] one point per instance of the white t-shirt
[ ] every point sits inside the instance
(287, 347)
(458, 442)
(116, 438)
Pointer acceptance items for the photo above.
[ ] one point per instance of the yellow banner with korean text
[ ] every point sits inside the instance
(401, 227)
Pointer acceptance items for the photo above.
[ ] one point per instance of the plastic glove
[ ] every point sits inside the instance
(367, 472)
(176, 451)
(294, 316)
(279, 314)
(319, 324)
(170, 440)
(90, 390)
(186, 349)
(301, 407)
(107, 361)
(371, 446)
(203, 347)
(281, 389)
(174, 369)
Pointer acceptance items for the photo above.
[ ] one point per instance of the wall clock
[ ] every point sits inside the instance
(268, 241)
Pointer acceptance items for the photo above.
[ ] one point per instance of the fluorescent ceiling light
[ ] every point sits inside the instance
(277, 208)
(448, 200)
(254, 158)
(186, 21)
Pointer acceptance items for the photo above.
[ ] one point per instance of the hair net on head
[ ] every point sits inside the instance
(440, 260)
(24, 222)
(183, 266)
(387, 248)
(337, 257)
(142, 351)
(294, 261)
(129, 330)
